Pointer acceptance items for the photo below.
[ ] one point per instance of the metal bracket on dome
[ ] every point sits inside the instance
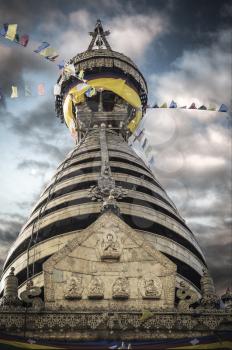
(99, 37)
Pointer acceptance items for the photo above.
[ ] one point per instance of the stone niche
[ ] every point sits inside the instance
(109, 266)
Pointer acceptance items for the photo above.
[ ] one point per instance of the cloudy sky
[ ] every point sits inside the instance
(183, 49)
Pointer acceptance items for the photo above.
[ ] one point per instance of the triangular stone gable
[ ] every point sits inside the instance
(109, 266)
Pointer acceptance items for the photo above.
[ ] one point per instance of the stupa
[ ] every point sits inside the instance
(105, 253)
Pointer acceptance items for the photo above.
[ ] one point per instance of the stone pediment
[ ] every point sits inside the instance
(109, 266)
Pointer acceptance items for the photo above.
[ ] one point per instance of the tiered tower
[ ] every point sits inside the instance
(103, 161)
(105, 253)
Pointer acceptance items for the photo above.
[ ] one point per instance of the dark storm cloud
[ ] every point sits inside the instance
(9, 230)
(31, 163)
(41, 130)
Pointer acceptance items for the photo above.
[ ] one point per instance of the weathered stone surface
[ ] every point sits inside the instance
(124, 269)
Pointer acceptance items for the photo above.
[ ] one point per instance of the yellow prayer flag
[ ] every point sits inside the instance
(49, 52)
(14, 93)
(11, 31)
(164, 105)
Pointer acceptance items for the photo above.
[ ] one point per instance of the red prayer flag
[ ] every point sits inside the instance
(41, 89)
(193, 106)
(24, 40)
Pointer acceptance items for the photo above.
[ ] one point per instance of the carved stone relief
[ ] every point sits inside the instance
(110, 247)
(120, 288)
(187, 297)
(151, 287)
(96, 288)
(73, 288)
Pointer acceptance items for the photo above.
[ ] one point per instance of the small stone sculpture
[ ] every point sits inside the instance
(187, 297)
(121, 288)
(152, 288)
(74, 288)
(31, 296)
(110, 247)
(96, 289)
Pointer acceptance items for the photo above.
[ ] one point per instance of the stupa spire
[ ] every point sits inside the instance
(99, 37)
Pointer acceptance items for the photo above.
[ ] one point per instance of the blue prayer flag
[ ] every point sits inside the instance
(61, 64)
(223, 108)
(4, 29)
(42, 47)
(144, 143)
(173, 104)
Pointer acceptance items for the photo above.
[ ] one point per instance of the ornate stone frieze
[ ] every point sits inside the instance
(174, 324)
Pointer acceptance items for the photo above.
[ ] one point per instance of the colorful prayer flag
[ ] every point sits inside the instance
(90, 92)
(148, 149)
(69, 69)
(164, 105)
(173, 104)
(139, 136)
(11, 31)
(81, 74)
(203, 108)
(43, 46)
(27, 91)
(194, 341)
(144, 143)
(61, 64)
(212, 107)
(4, 29)
(151, 161)
(41, 89)
(193, 106)
(81, 86)
(49, 53)
(57, 89)
(14, 93)
(223, 108)
(24, 40)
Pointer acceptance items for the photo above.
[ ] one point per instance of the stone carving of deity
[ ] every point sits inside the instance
(110, 247)
(73, 288)
(120, 289)
(96, 289)
(152, 288)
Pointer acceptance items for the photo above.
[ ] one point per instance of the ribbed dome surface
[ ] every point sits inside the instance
(65, 207)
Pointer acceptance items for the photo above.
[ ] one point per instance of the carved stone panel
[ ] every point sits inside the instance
(73, 289)
(120, 289)
(151, 287)
(96, 289)
(112, 263)
(110, 248)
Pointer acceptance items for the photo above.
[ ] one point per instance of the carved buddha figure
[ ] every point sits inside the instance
(152, 288)
(96, 289)
(110, 247)
(121, 288)
(73, 289)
